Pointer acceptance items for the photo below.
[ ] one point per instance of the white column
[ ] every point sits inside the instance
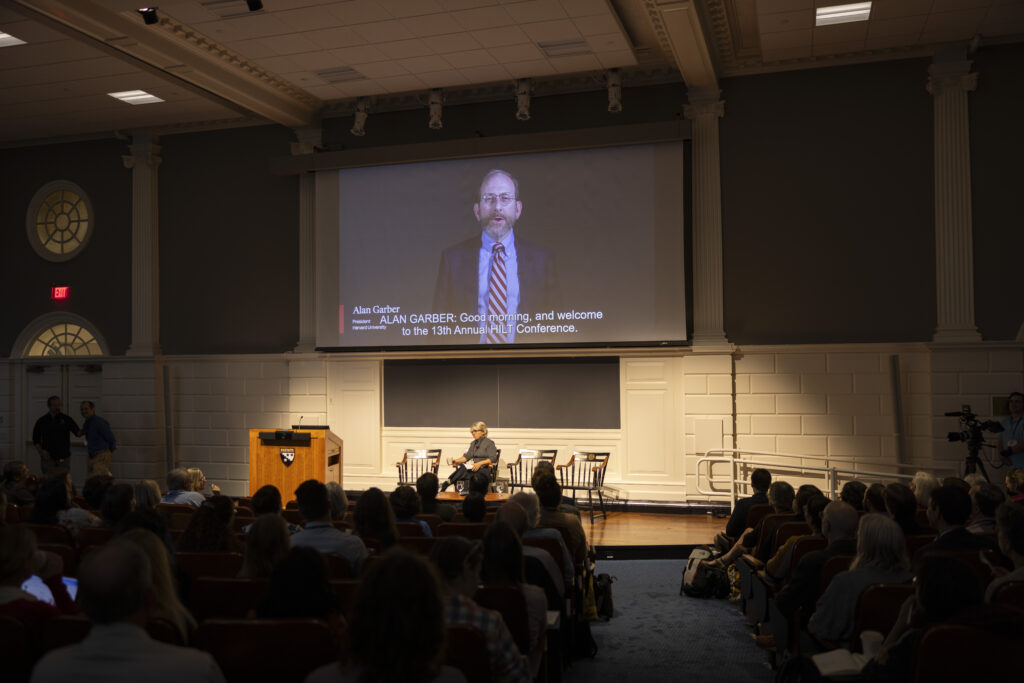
(309, 139)
(144, 160)
(949, 83)
(704, 110)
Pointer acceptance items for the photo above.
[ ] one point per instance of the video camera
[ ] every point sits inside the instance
(971, 427)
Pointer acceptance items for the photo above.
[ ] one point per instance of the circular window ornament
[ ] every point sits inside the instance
(59, 221)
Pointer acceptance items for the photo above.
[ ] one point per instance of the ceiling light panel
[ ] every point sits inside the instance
(842, 14)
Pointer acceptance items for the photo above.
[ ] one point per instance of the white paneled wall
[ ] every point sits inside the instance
(873, 406)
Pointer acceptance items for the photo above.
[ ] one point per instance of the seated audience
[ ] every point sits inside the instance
(881, 558)
(1010, 524)
(165, 602)
(459, 562)
(53, 506)
(760, 480)
(299, 589)
(178, 491)
(266, 544)
(901, 503)
(531, 505)
(542, 467)
(813, 507)
(19, 560)
(480, 482)
(1015, 485)
(114, 588)
(474, 508)
(118, 503)
(975, 478)
(95, 488)
(874, 499)
(209, 530)
(839, 526)
(853, 493)
(337, 501)
(147, 495)
(781, 497)
(985, 500)
(540, 568)
(405, 503)
(948, 511)
(958, 482)
(503, 564)
(197, 482)
(397, 627)
(318, 533)
(16, 483)
(922, 485)
(267, 501)
(426, 487)
(549, 492)
(374, 519)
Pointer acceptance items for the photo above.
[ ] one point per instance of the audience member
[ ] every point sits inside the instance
(147, 495)
(197, 482)
(16, 483)
(318, 533)
(19, 560)
(266, 544)
(901, 503)
(543, 467)
(374, 519)
(397, 627)
(53, 505)
(405, 503)
(299, 589)
(503, 564)
(853, 493)
(760, 480)
(480, 483)
(165, 602)
(474, 508)
(209, 530)
(957, 482)
(781, 497)
(178, 491)
(922, 485)
(531, 505)
(267, 501)
(540, 568)
(1010, 534)
(975, 478)
(426, 487)
(459, 562)
(881, 558)
(114, 587)
(549, 492)
(813, 508)
(118, 503)
(948, 511)
(839, 526)
(874, 499)
(95, 488)
(985, 500)
(337, 501)
(1015, 485)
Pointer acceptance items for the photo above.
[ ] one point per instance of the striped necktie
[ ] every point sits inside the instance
(497, 296)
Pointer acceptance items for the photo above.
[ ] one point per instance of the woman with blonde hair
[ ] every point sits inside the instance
(166, 604)
(266, 544)
(881, 558)
(197, 481)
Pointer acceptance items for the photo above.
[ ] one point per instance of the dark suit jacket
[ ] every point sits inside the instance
(802, 589)
(955, 541)
(458, 286)
(738, 521)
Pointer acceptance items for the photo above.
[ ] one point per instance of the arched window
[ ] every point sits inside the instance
(60, 335)
(59, 221)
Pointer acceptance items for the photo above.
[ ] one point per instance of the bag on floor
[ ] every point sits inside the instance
(701, 580)
(603, 596)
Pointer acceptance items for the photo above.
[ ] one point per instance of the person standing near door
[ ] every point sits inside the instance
(100, 441)
(52, 437)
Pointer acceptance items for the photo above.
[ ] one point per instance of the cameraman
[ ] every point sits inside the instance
(1011, 440)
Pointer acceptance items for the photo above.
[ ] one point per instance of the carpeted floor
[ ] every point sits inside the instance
(658, 635)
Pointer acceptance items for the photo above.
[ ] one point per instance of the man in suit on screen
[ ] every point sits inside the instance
(497, 278)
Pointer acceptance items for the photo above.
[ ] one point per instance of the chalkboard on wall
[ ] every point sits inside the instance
(555, 393)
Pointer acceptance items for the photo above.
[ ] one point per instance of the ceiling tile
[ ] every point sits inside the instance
(516, 53)
(486, 74)
(837, 48)
(485, 17)
(331, 38)
(252, 49)
(530, 68)
(359, 12)
(431, 25)
(400, 83)
(903, 26)
(34, 54)
(358, 54)
(307, 18)
(383, 31)
(585, 8)
(575, 64)
(536, 10)
(785, 21)
(426, 64)
(786, 53)
(362, 88)
(964, 20)
(775, 41)
(377, 70)
(954, 5)
(304, 79)
(841, 33)
(314, 61)
(33, 31)
(613, 60)
(881, 42)
(443, 79)
(405, 48)
(411, 8)
(456, 5)
(547, 31)
(324, 92)
(258, 25)
(597, 24)
(291, 44)
(280, 65)
(454, 42)
(773, 6)
(609, 42)
(496, 37)
(891, 9)
(470, 58)
(1004, 20)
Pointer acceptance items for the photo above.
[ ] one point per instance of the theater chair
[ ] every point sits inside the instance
(268, 650)
(91, 536)
(877, 609)
(508, 601)
(470, 656)
(420, 546)
(763, 586)
(409, 529)
(16, 653)
(196, 565)
(470, 530)
(963, 653)
(225, 598)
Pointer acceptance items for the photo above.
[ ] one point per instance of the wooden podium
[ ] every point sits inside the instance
(288, 457)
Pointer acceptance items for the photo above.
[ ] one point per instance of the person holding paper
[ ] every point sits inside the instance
(480, 456)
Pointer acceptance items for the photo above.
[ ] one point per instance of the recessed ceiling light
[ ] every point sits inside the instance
(7, 40)
(135, 97)
(842, 14)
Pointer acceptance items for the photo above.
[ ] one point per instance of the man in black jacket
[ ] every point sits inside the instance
(760, 480)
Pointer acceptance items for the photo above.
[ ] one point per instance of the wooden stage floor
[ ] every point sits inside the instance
(651, 529)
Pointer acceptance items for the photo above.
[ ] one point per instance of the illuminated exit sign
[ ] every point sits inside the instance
(60, 293)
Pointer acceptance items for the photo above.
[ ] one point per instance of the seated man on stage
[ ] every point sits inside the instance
(481, 456)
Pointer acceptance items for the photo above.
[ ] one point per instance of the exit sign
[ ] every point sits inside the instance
(60, 293)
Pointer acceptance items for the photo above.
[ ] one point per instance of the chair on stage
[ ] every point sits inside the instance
(196, 565)
(520, 472)
(268, 650)
(470, 530)
(225, 598)
(585, 472)
(416, 462)
(471, 656)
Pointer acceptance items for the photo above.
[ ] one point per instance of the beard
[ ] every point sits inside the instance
(495, 228)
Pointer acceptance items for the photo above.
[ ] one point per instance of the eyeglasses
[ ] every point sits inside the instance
(503, 199)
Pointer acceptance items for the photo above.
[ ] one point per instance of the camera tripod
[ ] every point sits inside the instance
(973, 462)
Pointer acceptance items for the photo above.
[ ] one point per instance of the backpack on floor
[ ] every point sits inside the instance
(701, 580)
(603, 596)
